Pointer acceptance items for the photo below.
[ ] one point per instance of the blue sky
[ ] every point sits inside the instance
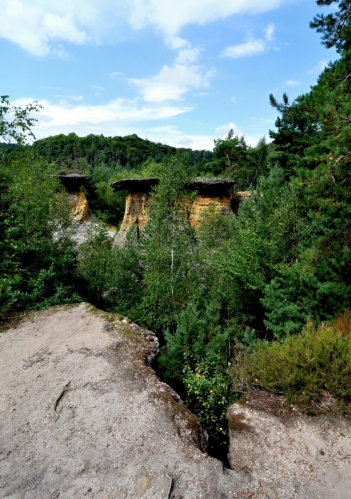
(178, 72)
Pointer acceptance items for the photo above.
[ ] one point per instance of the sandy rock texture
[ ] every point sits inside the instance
(136, 215)
(212, 193)
(289, 455)
(80, 211)
(220, 203)
(82, 415)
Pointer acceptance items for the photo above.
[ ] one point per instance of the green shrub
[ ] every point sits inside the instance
(305, 367)
(208, 393)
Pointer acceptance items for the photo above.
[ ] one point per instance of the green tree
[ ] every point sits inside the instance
(37, 258)
(229, 153)
(16, 122)
(336, 26)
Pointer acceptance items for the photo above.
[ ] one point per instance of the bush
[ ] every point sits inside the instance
(208, 393)
(36, 266)
(304, 367)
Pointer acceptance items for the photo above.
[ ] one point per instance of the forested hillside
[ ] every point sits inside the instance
(111, 158)
(129, 153)
(272, 284)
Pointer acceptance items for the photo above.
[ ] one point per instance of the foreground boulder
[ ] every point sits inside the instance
(83, 415)
(289, 455)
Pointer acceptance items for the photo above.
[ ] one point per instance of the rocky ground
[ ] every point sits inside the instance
(287, 454)
(83, 415)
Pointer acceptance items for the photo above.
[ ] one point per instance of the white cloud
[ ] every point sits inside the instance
(170, 16)
(223, 130)
(124, 117)
(171, 83)
(292, 83)
(111, 118)
(188, 55)
(233, 99)
(33, 26)
(253, 46)
(38, 26)
(258, 122)
(117, 117)
(269, 32)
(172, 136)
(319, 67)
(251, 140)
(76, 97)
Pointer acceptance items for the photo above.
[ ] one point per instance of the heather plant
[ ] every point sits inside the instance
(304, 368)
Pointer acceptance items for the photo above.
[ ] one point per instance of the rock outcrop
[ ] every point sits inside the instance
(238, 198)
(83, 415)
(286, 454)
(211, 192)
(81, 215)
(80, 211)
(136, 210)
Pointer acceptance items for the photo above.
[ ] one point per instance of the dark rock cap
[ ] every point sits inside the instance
(134, 184)
(211, 184)
(73, 181)
(198, 183)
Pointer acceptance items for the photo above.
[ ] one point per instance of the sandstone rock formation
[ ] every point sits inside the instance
(83, 415)
(136, 210)
(238, 198)
(81, 215)
(73, 182)
(211, 192)
(286, 454)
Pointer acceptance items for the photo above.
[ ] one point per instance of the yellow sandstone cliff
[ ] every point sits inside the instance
(80, 211)
(211, 193)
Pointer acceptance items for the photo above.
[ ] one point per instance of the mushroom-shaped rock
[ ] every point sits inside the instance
(136, 212)
(135, 184)
(73, 182)
(216, 192)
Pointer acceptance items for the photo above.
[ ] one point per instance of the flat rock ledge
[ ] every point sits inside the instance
(286, 454)
(198, 183)
(73, 181)
(82, 414)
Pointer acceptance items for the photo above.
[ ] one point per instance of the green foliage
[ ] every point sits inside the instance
(16, 122)
(208, 391)
(130, 152)
(36, 266)
(167, 248)
(233, 158)
(229, 153)
(336, 26)
(96, 264)
(196, 356)
(304, 367)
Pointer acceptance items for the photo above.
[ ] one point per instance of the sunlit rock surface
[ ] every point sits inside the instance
(213, 193)
(82, 414)
(80, 211)
(83, 219)
(286, 454)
